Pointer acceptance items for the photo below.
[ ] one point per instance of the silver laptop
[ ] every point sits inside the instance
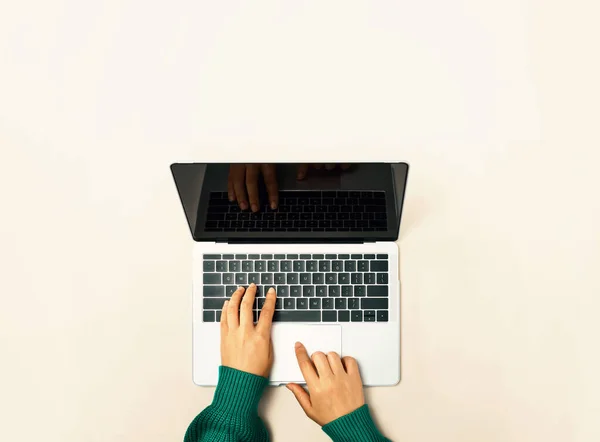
(328, 249)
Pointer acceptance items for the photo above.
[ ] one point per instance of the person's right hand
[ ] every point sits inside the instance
(334, 385)
(242, 185)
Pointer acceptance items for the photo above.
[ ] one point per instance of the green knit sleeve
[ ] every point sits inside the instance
(233, 414)
(354, 427)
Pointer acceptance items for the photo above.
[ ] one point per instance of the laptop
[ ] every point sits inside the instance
(328, 249)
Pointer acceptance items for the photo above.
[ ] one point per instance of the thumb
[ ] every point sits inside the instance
(301, 396)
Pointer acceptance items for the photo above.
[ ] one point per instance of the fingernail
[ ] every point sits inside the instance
(297, 345)
(254, 208)
(243, 205)
(288, 387)
(271, 290)
(273, 205)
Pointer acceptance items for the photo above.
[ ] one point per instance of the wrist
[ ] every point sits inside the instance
(237, 391)
(355, 426)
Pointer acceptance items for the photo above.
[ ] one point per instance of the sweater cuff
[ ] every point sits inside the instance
(238, 392)
(354, 427)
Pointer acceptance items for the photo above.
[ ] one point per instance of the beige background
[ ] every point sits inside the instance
(494, 104)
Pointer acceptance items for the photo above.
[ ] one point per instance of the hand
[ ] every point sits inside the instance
(244, 346)
(334, 385)
(303, 168)
(244, 178)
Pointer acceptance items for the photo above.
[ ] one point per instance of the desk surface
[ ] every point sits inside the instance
(499, 245)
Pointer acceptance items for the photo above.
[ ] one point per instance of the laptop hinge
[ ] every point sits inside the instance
(292, 241)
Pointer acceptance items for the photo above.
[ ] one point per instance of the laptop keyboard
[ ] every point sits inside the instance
(304, 211)
(310, 287)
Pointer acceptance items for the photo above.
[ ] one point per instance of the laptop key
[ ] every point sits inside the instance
(347, 290)
(273, 266)
(289, 304)
(356, 315)
(213, 291)
(382, 316)
(337, 266)
(298, 266)
(369, 278)
(334, 290)
(374, 303)
(340, 304)
(208, 266)
(260, 266)
(315, 304)
(218, 315)
(382, 278)
(295, 291)
(331, 278)
(363, 266)
(379, 266)
(247, 266)
(221, 266)
(253, 278)
(278, 304)
(297, 316)
(234, 266)
(377, 290)
(350, 266)
(318, 278)
(208, 316)
(229, 290)
(360, 290)
(283, 291)
(240, 278)
(301, 304)
(266, 278)
(369, 316)
(312, 266)
(279, 278)
(324, 266)
(356, 278)
(260, 302)
(211, 278)
(354, 304)
(327, 303)
(213, 303)
(321, 291)
(329, 316)
(308, 291)
(343, 278)
(343, 316)
(305, 278)
(207, 256)
(228, 278)
(285, 266)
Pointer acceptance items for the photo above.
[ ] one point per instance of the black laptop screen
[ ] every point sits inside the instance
(294, 202)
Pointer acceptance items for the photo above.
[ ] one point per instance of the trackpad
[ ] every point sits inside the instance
(323, 338)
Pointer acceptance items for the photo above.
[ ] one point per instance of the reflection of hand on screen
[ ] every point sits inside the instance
(242, 185)
(303, 168)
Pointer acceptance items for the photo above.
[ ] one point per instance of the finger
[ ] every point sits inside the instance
(252, 172)
(233, 309)
(239, 185)
(306, 366)
(230, 190)
(301, 396)
(224, 327)
(321, 364)
(270, 176)
(329, 166)
(246, 317)
(302, 171)
(335, 363)
(350, 365)
(266, 314)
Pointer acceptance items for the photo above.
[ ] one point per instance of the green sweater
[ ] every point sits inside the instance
(233, 415)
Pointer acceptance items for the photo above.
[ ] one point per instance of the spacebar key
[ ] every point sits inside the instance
(297, 316)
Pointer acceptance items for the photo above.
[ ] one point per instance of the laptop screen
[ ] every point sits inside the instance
(257, 202)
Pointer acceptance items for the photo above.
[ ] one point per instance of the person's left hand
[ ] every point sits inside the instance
(244, 346)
